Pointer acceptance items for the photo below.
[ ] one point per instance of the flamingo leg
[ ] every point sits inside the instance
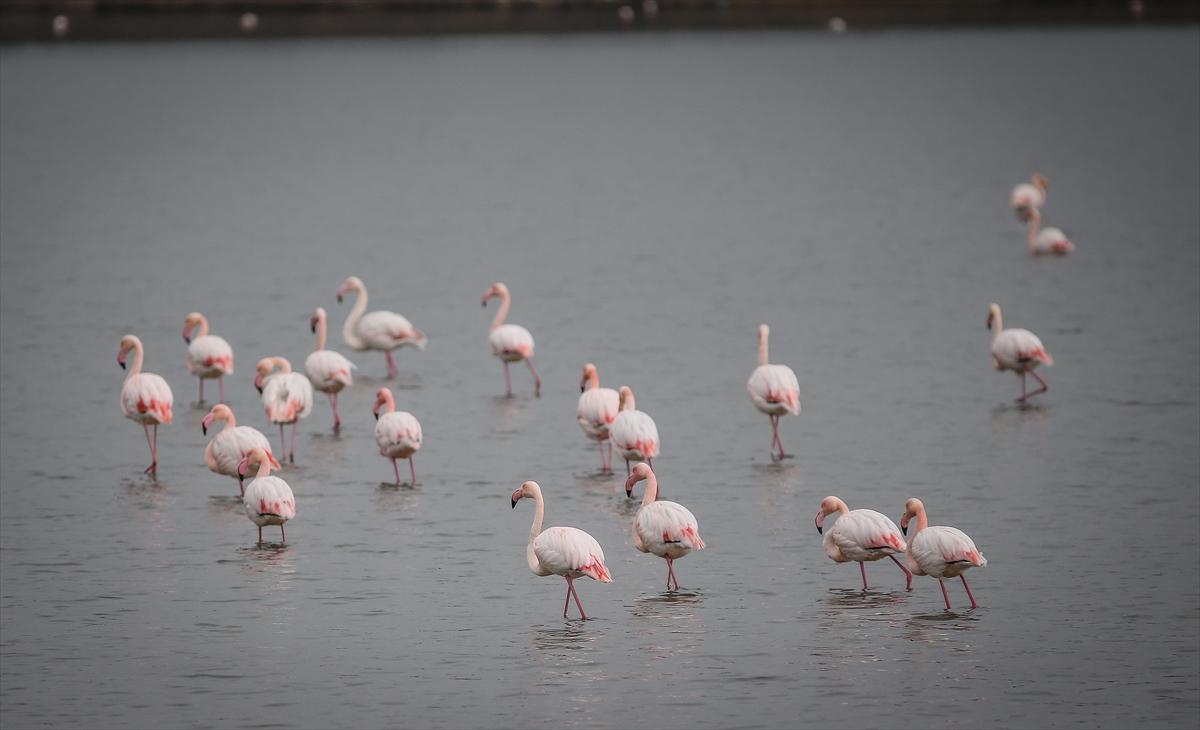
(603, 463)
(201, 389)
(628, 472)
(608, 466)
(945, 595)
(260, 534)
(567, 605)
(292, 453)
(507, 379)
(413, 469)
(397, 468)
(969, 595)
(153, 443)
(282, 440)
(393, 371)
(907, 572)
(241, 487)
(571, 588)
(221, 383)
(282, 536)
(537, 382)
(337, 420)
(671, 574)
(1023, 396)
(863, 566)
(1039, 379)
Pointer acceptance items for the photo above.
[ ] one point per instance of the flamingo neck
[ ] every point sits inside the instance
(230, 421)
(843, 508)
(593, 380)
(264, 468)
(389, 402)
(321, 331)
(500, 315)
(136, 367)
(763, 336)
(651, 489)
(997, 323)
(1035, 222)
(282, 363)
(350, 328)
(203, 327)
(921, 523)
(534, 531)
(627, 401)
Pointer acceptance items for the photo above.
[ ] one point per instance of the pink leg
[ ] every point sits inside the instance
(628, 471)
(397, 468)
(863, 566)
(507, 379)
(671, 574)
(153, 468)
(907, 572)
(292, 453)
(567, 605)
(1039, 379)
(945, 595)
(537, 382)
(603, 464)
(282, 536)
(608, 465)
(201, 390)
(241, 487)
(221, 382)
(337, 420)
(1023, 396)
(413, 469)
(282, 440)
(260, 534)
(393, 371)
(964, 580)
(571, 587)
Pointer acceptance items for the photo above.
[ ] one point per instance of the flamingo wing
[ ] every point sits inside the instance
(398, 434)
(287, 397)
(329, 370)
(570, 551)
(384, 330)
(210, 356)
(774, 389)
(865, 534)
(597, 410)
(1018, 349)
(146, 398)
(635, 434)
(942, 551)
(667, 526)
(269, 501)
(511, 339)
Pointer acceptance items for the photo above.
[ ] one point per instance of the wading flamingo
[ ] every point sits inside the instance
(565, 551)
(510, 342)
(145, 397)
(227, 449)
(379, 330)
(268, 500)
(633, 434)
(327, 370)
(286, 396)
(1029, 196)
(941, 552)
(208, 356)
(1018, 350)
(1049, 240)
(774, 389)
(665, 529)
(596, 411)
(860, 536)
(398, 433)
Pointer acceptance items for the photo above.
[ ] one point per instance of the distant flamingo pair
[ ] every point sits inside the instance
(604, 413)
(1027, 200)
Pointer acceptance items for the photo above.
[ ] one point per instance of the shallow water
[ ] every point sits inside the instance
(649, 200)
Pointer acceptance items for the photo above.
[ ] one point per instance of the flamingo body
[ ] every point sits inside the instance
(329, 371)
(666, 529)
(1018, 350)
(634, 435)
(230, 446)
(775, 390)
(511, 343)
(287, 397)
(861, 536)
(147, 399)
(398, 434)
(210, 356)
(379, 330)
(1028, 197)
(1052, 241)
(597, 409)
(940, 552)
(269, 501)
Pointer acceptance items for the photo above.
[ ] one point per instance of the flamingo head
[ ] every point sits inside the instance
(352, 282)
(829, 505)
(220, 412)
(993, 315)
(641, 470)
(589, 374)
(128, 342)
(528, 489)
(912, 508)
(625, 401)
(497, 290)
(192, 320)
(385, 401)
(1039, 181)
(318, 316)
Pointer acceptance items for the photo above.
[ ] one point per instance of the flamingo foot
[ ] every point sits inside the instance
(413, 469)
(969, 595)
(907, 572)
(537, 382)
(945, 595)
(863, 567)
(507, 380)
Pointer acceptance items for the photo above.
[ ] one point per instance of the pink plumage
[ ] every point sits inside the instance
(860, 536)
(510, 342)
(1018, 350)
(596, 411)
(940, 552)
(208, 356)
(773, 389)
(666, 529)
(145, 397)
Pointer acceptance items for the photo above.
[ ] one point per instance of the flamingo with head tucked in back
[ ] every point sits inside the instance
(230, 446)
(860, 536)
(327, 370)
(510, 342)
(379, 330)
(208, 356)
(286, 396)
(633, 433)
(773, 389)
(565, 551)
(597, 409)
(268, 500)
(1018, 350)
(397, 433)
(1029, 196)
(145, 397)
(941, 552)
(665, 529)
(1048, 240)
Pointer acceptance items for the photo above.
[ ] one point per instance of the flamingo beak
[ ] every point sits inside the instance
(341, 291)
(187, 331)
(121, 363)
(904, 525)
(313, 326)
(516, 497)
(629, 486)
(339, 298)
(258, 382)
(241, 470)
(376, 411)
(819, 521)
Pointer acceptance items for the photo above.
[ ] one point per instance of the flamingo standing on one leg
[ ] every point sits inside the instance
(398, 433)
(1018, 350)
(379, 330)
(208, 356)
(227, 449)
(942, 552)
(268, 500)
(774, 389)
(1049, 240)
(327, 370)
(1029, 196)
(860, 536)
(665, 529)
(633, 434)
(145, 397)
(565, 551)
(597, 409)
(286, 396)
(510, 342)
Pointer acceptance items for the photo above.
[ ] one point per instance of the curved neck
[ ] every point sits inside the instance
(651, 489)
(627, 402)
(321, 330)
(1035, 222)
(504, 302)
(534, 531)
(389, 402)
(763, 336)
(136, 367)
(921, 522)
(997, 323)
(593, 380)
(230, 421)
(842, 507)
(203, 327)
(281, 363)
(264, 468)
(350, 328)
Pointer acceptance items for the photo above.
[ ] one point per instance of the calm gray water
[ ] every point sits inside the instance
(649, 200)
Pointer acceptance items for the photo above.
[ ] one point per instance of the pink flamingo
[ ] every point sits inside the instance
(379, 330)
(597, 409)
(941, 552)
(633, 434)
(327, 370)
(286, 396)
(565, 551)
(145, 397)
(398, 433)
(208, 356)
(227, 449)
(268, 500)
(665, 529)
(860, 536)
(1029, 196)
(1049, 240)
(1018, 350)
(510, 342)
(774, 389)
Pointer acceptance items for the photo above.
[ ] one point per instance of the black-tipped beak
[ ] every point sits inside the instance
(628, 492)
(187, 339)
(204, 429)
(514, 504)
(376, 415)
(904, 530)
(483, 303)
(820, 530)
(313, 328)
(121, 364)
(339, 298)
(259, 387)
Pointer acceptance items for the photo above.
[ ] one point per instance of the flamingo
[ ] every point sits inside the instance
(269, 500)
(1029, 196)
(1018, 350)
(145, 397)
(286, 396)
(941, 552)
(666, 529)
(565, 551)
(633, 433)
(596, 411)
(398, 433)
(773, 388)
(1049, 240)
(379, 330)
(510, 342)
(230, 446)
(208, 356)
(860, 536)
(327, 370)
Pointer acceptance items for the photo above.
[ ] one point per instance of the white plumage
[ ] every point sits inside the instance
(1018, 350)
(268, 500)
(773, 389)
(666, 529)
(328, 371)
(597, 409)
(145, 397)
(287, 397)
(1030, 196)
(208, 356)
(379, 330)
(397, 433)
(634, 434)
(940, 552)
(227, 449)
(510, 342)
(1052, 240)
(861, 535)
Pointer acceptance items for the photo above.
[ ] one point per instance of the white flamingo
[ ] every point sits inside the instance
(1029, 196)
(510, 342)
(268, 500)
(1018, 350)
(1048, 240)
(287, 397)
(665, 529)
(397, 433)
(145, 397)
(379, 330)
(860, 536)
(565, 551)
(227, 449)
(774, 389)
(596, 411)
(327, 370)
(941, 552)
(208, 356)
(633, 433)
